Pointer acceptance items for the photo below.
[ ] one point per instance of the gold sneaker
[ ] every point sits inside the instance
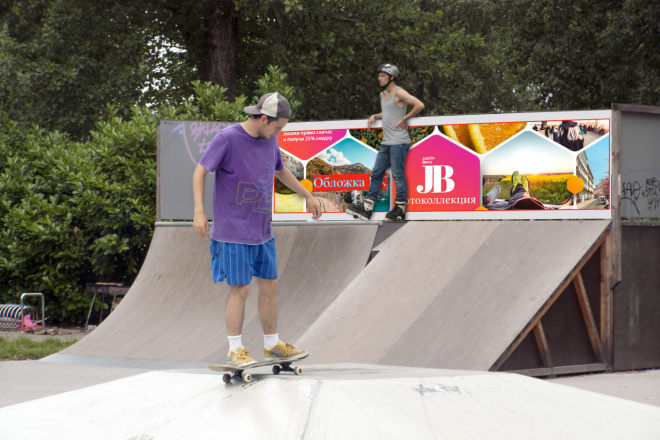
(284, 352)
(239, 357)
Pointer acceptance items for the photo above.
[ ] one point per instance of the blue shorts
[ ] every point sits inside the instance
(240, 262)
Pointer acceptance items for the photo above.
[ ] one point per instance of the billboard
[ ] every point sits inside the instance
(458, 167)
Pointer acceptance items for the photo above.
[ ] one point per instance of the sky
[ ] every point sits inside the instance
(349, 151)
(597, 155)
(528, 153)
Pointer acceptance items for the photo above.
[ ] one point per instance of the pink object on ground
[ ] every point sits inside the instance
(27, 323)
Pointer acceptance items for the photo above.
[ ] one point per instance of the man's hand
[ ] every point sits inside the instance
(201, 225)
(314, 207)
(403, 124)
(372, 121)
(289, 180)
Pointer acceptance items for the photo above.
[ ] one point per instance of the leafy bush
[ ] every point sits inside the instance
(77, 212)
(374, 136)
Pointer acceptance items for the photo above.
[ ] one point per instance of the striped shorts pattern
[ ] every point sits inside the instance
(240, 262)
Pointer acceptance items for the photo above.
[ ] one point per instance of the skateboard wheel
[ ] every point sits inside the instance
(226, 378)
(247, 377)
(298, 371)
(276, 369)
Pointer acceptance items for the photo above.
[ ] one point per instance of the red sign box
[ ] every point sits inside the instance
(344, 182)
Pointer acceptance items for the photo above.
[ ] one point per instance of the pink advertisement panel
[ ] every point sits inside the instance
(552, 165)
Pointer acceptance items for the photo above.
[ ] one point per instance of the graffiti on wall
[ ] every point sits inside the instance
(644, 196)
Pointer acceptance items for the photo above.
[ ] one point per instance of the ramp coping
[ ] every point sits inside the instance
(292, 223)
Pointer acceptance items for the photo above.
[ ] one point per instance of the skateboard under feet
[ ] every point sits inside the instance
(242, 374)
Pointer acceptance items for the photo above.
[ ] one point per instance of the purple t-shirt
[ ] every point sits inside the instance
(244, 169)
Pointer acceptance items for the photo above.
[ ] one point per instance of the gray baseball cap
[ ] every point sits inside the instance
(271, 104)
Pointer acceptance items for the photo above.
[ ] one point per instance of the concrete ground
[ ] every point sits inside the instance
(63, 334)
(334, 401)
(639, 386)
(22, 381)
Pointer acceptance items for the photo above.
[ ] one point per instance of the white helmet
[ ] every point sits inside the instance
(390, 69)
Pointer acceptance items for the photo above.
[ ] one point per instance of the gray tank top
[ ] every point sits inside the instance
(392, 114)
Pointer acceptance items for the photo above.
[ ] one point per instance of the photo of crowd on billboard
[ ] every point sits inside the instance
(573, 135)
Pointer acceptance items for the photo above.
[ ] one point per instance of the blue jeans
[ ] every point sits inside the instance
(394, 156)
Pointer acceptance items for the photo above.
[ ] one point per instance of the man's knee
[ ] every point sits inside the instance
(239, 291)
(268, 287)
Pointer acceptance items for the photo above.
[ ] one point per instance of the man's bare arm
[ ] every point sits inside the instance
(200, 221)
(418, 106)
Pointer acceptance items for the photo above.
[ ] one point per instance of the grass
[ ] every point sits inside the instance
(546, 188)
(24, 348)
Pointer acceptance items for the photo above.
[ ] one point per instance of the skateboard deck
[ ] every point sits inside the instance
(240, 373)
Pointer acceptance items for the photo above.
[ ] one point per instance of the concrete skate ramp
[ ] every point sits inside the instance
(174, 313)
(450, 295)
(332, 402)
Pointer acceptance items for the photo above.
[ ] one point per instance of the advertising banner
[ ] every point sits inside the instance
(550, 165)
(533, 165)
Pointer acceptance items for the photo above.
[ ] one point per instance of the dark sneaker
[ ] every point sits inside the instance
(398, 213)
(363, 211)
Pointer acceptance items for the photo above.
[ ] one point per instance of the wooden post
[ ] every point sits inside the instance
(159, 217)
(606, 302)
(615, 196)
(588, 316)
(542, 343)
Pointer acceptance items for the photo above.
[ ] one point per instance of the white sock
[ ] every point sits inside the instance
(234, 342)
(270, 341)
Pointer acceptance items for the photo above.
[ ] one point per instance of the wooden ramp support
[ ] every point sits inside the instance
(579, 314)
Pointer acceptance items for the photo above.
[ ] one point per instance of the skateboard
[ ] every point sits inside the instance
(240, 373)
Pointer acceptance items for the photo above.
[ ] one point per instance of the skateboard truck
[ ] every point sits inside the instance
(242, 373)
(247, 377)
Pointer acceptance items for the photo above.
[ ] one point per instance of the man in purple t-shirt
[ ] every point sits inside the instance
(246, 158)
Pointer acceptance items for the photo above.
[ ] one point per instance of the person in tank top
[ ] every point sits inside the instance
(394, 103)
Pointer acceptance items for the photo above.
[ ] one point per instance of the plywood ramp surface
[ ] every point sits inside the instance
(450, 294)
(175, 312)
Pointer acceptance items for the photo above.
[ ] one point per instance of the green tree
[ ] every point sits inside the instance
(73, 212)
(331, 49)
(584, 53)
(62, 61)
